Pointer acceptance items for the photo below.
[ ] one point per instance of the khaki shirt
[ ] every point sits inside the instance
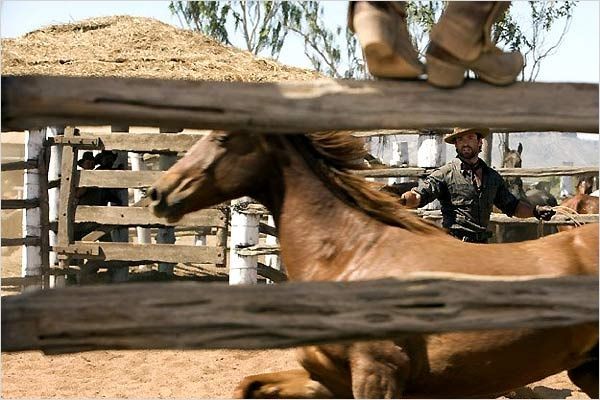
(464, 207)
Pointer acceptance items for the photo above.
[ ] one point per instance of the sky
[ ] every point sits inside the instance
(577, 59)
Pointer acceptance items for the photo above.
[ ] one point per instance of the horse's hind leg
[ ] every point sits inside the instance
(292, 384)
(585, 376)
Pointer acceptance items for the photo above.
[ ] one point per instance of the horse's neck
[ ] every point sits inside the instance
(319, 233)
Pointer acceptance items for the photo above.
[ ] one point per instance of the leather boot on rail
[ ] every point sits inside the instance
(462, 40)
(383, 35)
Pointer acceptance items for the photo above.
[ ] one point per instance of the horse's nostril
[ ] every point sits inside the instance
(153, 194)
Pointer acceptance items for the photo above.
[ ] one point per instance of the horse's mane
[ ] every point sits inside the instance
(333, 155)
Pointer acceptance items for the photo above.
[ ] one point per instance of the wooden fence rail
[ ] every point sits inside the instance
(142, 216)
(15, 204)
(505, 172)
(205, 316)
(30, 101)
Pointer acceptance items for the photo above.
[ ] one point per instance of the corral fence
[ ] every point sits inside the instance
(33, 102)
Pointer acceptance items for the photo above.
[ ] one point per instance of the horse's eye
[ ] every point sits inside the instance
(222, 138)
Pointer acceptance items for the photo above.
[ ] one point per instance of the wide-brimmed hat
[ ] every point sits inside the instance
(87, 156)
(451, 137)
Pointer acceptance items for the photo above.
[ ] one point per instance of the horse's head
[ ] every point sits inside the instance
(512, 158)
(221, 166)
(585, 185)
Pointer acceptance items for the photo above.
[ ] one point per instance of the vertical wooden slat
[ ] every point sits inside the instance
(222, 235)
(43, 161)
(66, 209)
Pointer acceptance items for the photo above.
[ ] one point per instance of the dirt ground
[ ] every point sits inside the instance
(165, 373)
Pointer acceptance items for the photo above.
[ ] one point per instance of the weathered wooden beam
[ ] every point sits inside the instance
(213, 315)
(145, 142)
(270, 273)
(143, 252)
(18, 165)
(506, 172)
(267, 229)
(15, 204)
(504, 219)
(118, 178)
(30, 101)
(258, 250)
(27, 241)
(142, 216)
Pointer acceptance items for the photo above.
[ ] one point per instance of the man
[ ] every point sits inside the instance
(467, 189)
(460, 41)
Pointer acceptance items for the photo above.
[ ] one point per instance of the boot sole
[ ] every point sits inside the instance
(444, 74)
(377, 43)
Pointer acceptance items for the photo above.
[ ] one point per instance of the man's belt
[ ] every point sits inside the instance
(471, 237)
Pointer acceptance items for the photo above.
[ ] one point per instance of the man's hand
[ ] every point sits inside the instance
(543, 212)
(410, 199)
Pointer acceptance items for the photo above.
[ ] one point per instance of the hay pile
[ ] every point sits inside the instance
(124, 46)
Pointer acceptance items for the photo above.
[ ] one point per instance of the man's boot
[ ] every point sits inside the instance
(461, 40)
(383, 35)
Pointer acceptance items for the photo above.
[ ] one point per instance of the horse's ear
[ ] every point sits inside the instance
(520, 148)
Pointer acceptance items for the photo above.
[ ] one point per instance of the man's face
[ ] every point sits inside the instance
(467, 145)
(87, 164)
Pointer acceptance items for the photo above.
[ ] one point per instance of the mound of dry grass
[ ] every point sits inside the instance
(125, 46)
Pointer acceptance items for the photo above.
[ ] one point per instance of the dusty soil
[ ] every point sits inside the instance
(170, 374)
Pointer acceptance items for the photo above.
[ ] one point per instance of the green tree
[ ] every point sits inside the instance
(334, 51)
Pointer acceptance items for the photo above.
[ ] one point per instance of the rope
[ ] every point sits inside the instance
(569, 213)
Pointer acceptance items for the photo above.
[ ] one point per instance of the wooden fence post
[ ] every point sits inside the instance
(54, 174)
(120, 274)
(166, 235)
(66, 206)
(137, 164)
(244, 233)
(31, 255)
(486, 149)
(272, 260)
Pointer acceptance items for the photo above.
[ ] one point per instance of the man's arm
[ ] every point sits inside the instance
(427, 191)
(504, 201)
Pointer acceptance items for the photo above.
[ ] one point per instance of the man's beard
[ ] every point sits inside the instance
(467, 152)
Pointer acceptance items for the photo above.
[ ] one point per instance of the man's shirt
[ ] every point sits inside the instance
(465, 206)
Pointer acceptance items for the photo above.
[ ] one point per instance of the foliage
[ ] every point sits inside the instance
(335, 50)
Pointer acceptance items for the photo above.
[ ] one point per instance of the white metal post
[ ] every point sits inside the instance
(53, 196)
(31, 255)
(399, 157)
(244, 233)
(566, 183)
(431, 154)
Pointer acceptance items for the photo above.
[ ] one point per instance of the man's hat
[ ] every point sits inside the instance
(451, 137)
(87, 156)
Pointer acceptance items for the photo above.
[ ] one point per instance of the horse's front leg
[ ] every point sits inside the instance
(292, 384)
(379, 370)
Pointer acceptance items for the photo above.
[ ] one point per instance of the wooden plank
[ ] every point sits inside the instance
(19, 165)
(66, 206)
(142, 216)
(267, 229)
(146, 142)
(27, 241)
(506, 172)
(295, 106)
(44, 161)
(215, 315)
(118, 178)
(270, 273)
(144, 252)
(258, 250)
(504, 219)
(15, 204)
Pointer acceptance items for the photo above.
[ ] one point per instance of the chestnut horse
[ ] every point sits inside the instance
(360, 233)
